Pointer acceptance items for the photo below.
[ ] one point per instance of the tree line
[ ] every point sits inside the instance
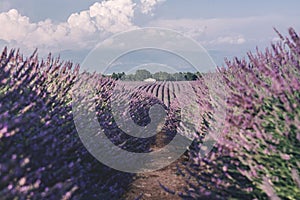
(142, 74)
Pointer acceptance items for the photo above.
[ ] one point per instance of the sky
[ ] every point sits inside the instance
(71, 28)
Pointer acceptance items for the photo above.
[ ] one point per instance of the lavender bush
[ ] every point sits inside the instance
(258, 155)
(41, 154)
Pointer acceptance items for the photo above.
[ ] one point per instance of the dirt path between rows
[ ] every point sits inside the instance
(146, 186)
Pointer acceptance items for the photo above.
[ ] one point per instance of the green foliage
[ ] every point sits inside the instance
(142, 74)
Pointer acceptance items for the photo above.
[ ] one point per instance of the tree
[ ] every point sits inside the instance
(117, 76)
(190, 76)
(142, 74)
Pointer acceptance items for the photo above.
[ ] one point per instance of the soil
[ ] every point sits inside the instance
(146, 186)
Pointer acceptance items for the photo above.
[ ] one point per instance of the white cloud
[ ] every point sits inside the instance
(81, 30)
(219, 32)
(112, 16)
(147, 6)
(15, 26)
(85, 29)
(228, 40)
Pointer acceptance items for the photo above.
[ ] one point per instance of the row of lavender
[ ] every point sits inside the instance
(42, 156)
(105, 96)
(258, 154)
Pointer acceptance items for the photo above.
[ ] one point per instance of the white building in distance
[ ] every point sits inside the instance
(150, 80)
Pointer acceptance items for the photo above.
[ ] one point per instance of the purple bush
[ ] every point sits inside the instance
(258, 154)
(42, 156)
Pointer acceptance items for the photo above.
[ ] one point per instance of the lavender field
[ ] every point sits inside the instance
(256, 155)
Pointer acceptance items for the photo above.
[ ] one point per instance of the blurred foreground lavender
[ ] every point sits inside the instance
(42, 156)
(258, 154)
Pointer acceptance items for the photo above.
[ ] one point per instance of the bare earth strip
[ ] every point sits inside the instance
(147, 186)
